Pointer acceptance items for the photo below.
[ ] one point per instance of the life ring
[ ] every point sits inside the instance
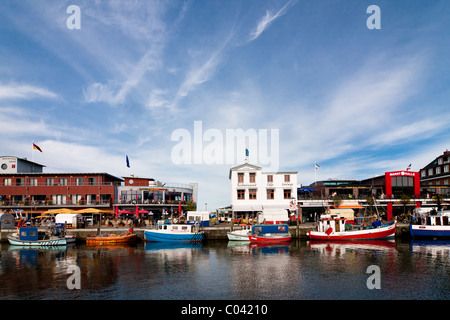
(422, 220)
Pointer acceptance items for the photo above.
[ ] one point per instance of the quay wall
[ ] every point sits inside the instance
(211, 233)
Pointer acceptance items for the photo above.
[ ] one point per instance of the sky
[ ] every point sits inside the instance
(175, 85)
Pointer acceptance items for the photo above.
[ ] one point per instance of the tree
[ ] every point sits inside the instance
(405, 200)
(190, 206)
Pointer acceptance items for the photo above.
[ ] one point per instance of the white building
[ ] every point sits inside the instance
(269, 196)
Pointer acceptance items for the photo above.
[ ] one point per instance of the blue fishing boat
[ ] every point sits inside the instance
(174, 233)
(31, 236)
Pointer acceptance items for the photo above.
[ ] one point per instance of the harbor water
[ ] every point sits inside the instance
(217, 270)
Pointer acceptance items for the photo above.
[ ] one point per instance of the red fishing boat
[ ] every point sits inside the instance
(333, 227)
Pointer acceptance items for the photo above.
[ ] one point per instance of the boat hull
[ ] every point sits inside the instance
(426, 231)
(156, 236)
(281, 238)
(39, 243)
(111, 239)
(237, 237)
(365, 234)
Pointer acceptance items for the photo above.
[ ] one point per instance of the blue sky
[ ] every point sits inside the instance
(357, 101)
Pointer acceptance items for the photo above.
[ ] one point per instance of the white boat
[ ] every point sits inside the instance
(431, 224)
(30, 236)
(240, 235)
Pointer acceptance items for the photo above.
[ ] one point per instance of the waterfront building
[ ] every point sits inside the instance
(24, 187)
(387, 188)
(154, 196)
(435, 177)
(35, 191)
(269, 196)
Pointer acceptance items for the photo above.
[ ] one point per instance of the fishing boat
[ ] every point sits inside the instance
(31, 236)
(240, 235)
(105, 239)
(333, 227)
(165, 232)
(270, 233)
(431, 224)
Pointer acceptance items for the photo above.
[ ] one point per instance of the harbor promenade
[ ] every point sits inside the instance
(218, 232)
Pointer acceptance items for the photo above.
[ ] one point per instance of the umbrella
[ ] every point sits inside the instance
(306, 189)
(62, 210)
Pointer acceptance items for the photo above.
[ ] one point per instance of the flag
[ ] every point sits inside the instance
(128, 162)
(316, 165)
(36, 147)
(246, 152)
(409, 167)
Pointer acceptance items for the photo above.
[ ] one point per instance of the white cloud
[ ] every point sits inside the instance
(25, 92)
(266, 20)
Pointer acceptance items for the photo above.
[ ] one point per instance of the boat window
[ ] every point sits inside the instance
(183, 228)
(165, 227)
(174, 227)
(23, 233)
(438, 221)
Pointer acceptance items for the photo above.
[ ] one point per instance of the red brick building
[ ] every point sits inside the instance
(38, 191)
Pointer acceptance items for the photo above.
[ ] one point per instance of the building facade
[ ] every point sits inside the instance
(24, 187)
(435, 177)
(269, 196)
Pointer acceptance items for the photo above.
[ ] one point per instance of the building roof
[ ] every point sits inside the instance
(23, 159)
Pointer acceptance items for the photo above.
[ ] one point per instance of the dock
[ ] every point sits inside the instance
(218, 232)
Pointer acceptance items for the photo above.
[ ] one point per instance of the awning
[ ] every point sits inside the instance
(256, 207)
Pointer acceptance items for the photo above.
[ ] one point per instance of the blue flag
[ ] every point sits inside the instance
(246, 152)
(128, 162)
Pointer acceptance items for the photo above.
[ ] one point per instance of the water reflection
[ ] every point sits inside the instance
(336, 248)
(229, 270)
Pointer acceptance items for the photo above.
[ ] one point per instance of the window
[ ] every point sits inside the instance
(270, 178)
(49, 181)
(92, 181)
(423, 173)
(20, 181)
(446, 168)
(287, 193)
(79, 181)
(240, 177)
(430, 171)
(7, 181)
(270, 194)
(438, 170)
(76, 198)
(252, 194)
(241, 194)
(252, 177)
(287, 178)
(59, 199)
(33, 182)
(440, 161)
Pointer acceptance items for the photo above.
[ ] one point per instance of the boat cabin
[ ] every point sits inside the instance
(29, 234)
(333, 221)
(176, 228)
(265, 229)
(200, 218)
(431, 217)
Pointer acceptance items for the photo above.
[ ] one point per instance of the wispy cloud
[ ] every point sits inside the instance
(267, 20)
(24, 92)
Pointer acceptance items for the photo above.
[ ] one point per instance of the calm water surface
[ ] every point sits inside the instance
(220, 270)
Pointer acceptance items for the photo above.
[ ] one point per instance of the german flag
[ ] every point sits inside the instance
(36, 147)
